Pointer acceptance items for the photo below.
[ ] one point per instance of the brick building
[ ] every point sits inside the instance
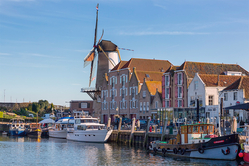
(82, 105)
(120, 93)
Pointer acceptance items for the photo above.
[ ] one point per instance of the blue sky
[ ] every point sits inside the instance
(43, 42)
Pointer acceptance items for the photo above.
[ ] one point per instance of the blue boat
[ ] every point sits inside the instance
(17, 127)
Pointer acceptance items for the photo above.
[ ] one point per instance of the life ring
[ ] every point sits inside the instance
(226, 152)
(175, 150)
(183, 151)
(201, 150)
(164, 151)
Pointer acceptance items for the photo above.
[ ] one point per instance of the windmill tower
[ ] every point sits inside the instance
(104, 56)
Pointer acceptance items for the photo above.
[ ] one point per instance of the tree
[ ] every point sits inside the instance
(35, 107)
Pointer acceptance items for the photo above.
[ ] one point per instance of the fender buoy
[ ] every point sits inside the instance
(183, 151)
(175, 150)
(201, 150)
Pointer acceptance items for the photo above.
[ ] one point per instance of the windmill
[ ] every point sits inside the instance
(105, 52)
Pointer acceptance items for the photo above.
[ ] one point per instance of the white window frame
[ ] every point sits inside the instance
(179, 105)
(235, 95)
(225, 96)
(179, 81)
(148, 106)
(166, 93)
(166, 80)
(166, 103)
(179, 93)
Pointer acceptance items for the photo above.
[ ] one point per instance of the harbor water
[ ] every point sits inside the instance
(25, 151)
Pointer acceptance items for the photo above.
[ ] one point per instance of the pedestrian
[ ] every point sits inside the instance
(150, 129)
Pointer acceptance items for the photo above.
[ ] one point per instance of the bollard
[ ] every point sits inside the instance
(132, 130)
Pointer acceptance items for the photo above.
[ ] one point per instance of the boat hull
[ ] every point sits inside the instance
(246, 157)
(221, 148)
(34, 134)
(16, 132)
(89, 136)
(58, 133)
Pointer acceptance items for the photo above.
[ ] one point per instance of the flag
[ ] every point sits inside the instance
(97, 8)
(93, 78)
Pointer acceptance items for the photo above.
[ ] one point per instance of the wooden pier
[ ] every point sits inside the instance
(140, 138)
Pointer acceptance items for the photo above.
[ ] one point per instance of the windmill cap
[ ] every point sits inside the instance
(107, 45)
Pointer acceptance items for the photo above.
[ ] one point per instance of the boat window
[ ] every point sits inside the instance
(201, 128)
(210, 129)
(95, 127)
(77, 121)
(189, 129)
(70, 125)
(89, 127)
(195, 128)
(81, 127)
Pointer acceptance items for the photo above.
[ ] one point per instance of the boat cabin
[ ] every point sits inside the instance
(17, 123)
(196, 133)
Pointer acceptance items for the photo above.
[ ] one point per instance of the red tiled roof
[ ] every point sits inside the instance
(148, 65)
(209, 68)
(149, 76)
(119, 65)
(242, 83)
(218, 80)
(153, 86)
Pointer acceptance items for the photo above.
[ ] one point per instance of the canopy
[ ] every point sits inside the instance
(244, 106)
(47, 121)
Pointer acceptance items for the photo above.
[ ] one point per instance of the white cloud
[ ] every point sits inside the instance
(39, 55)
(161, 6)
(4, 54)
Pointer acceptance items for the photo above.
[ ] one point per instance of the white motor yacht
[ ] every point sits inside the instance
(59, 130)
(88, 129)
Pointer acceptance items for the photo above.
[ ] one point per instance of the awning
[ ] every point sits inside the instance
(47, 121)
(244, 106)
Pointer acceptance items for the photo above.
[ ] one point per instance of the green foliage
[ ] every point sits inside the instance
(35, 107)
(43, 104)
(22, 111)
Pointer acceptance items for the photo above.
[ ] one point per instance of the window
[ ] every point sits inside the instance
(144, 106)
(179, 79)
(179, 103)
(167, 103)
(133, 92)
(166, 80)
(144, 94)
(225, 96)
(196, 85)
(210, 100)
(141, 106)
(235, 96)
(148, 106)
(166, 93)
(179, 92)
(156, 104)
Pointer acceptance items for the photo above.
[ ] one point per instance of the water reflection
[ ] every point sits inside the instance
(53, 151)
